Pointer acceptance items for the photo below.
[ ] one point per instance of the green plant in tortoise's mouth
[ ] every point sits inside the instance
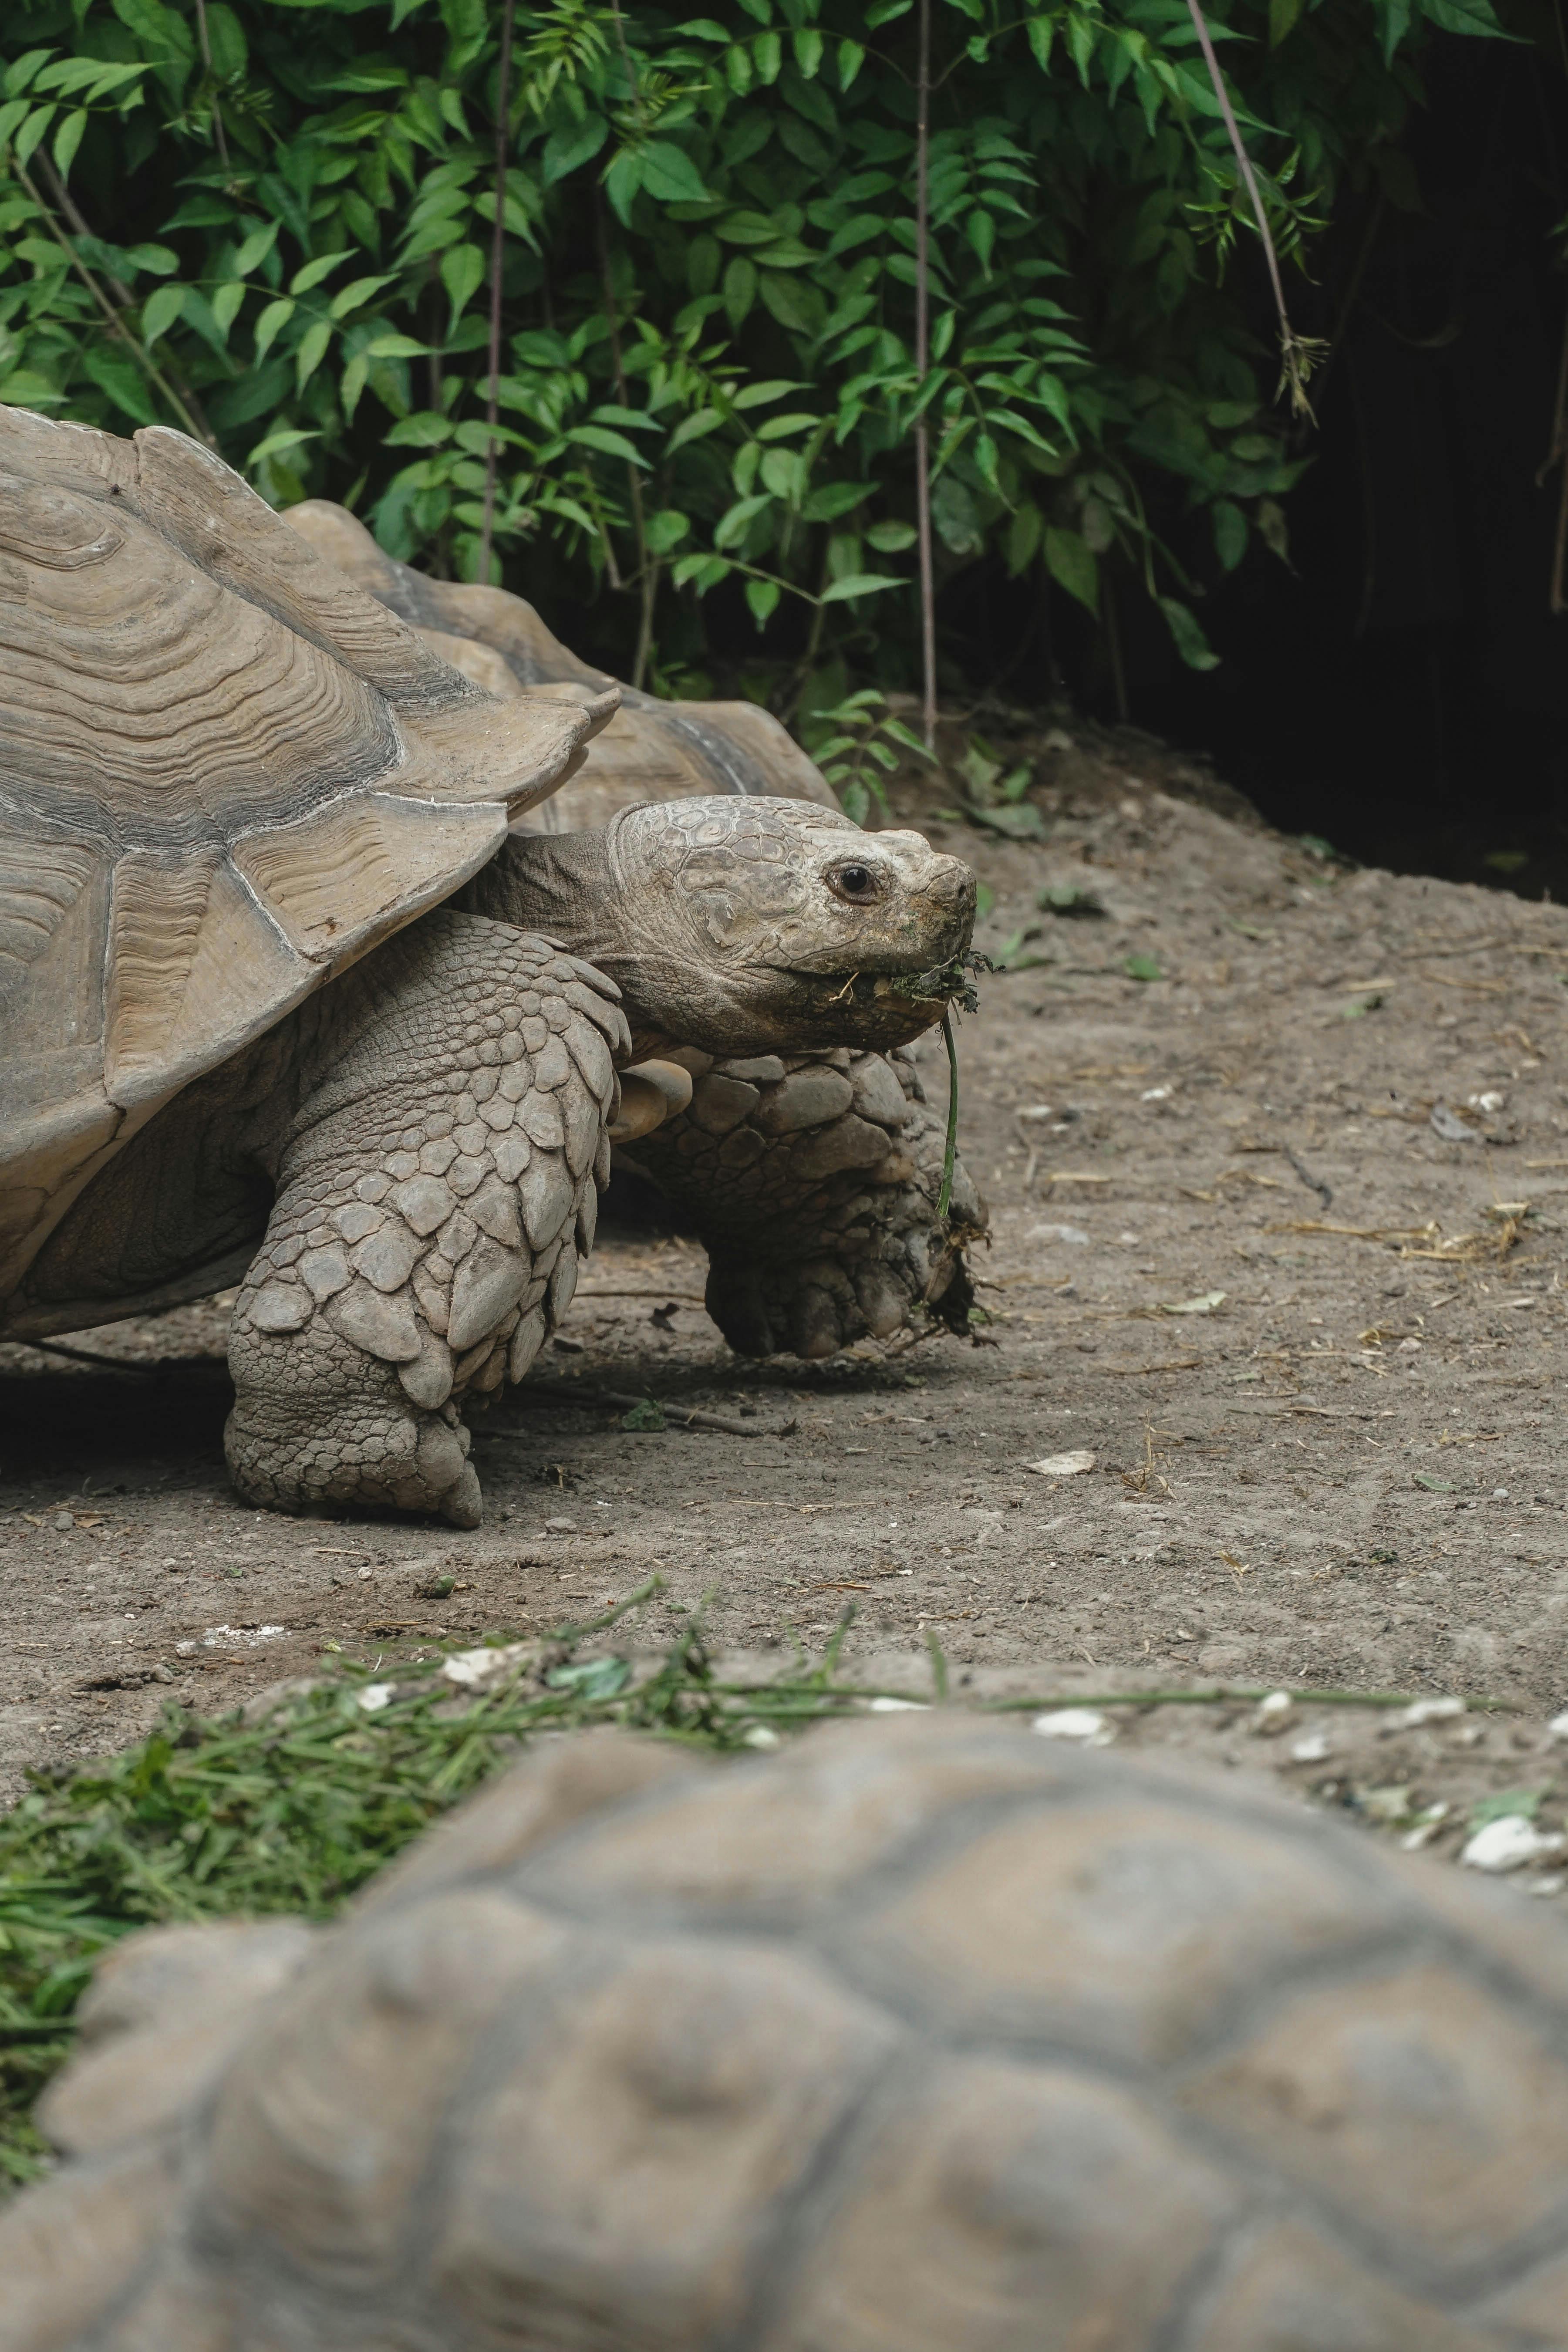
(947, 984)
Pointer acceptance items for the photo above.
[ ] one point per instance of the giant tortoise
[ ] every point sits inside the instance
(289, 998)
(812, 1179)
(923, 2037)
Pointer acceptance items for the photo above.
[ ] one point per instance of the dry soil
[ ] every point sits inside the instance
(1276, 1155)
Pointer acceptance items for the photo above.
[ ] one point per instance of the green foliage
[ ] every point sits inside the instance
(270, 222)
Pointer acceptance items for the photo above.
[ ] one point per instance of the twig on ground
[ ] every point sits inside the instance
(623, 1399)
(1312, 1183)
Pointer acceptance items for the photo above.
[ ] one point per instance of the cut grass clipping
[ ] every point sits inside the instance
(294, 1812)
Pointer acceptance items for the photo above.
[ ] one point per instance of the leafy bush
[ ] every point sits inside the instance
(272, 222)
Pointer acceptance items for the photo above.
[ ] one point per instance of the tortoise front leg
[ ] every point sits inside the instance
(813, 1182)
(436, 1188)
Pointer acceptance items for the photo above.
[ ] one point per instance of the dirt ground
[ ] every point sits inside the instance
(1278, 1239)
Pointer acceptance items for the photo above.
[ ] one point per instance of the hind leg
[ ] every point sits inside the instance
(436, 1184)
(813, 1183)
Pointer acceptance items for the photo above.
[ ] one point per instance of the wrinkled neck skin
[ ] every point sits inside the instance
(744, 926)
(566, 885)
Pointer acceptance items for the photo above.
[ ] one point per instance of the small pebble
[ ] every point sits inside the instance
(1085, 1723)
(1063, 1466)
(374, 1696)
(1427, 1710)
(1504, 1845)
(1313, 1750)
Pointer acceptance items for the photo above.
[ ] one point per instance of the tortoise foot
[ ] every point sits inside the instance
(365, 1456)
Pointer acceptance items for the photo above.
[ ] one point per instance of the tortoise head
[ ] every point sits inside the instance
(745, 925)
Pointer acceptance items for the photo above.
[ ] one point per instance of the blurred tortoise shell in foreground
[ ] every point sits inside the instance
(922, 2037)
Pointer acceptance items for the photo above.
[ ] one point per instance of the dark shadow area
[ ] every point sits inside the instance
(123, 1430)
(1400, 689)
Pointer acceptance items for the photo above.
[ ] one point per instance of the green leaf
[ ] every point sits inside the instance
(762, 596)
(694, 427)
(162, 307)
(251, 254)
(462, 275)
(670, 175)
(860, 583)
(1190, 641)
(757, 395)
(1230, 533)
(740, 291)
(571, 146)
(1070, 561)
(1146, 967)
(31, 132)
(226, 302)
(795, 304)
(287, 437)
(314, 271)
(1474, 16)
(1282, 18)
(832, 500)
(350, 296)
(273, 319)
(808, 43)
(781, 428)
(613, 445)
(119, 377)
(313, 350)
(427, 430)
(67, 139)
(666, 530)
(887, 538)
(851, 58)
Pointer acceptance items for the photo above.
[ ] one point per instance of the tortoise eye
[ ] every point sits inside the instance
(856, 883)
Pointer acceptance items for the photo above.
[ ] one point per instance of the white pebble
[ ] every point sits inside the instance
(883, 1705)
(1074, 1723)
(761, 1735)
(1558, 1727)
(469, 1667)
(1313, 1750)
(1063, 1466)
(374, 1696)
(1427, 1710)
(1504, 1845)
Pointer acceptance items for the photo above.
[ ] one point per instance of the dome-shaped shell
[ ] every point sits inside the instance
(650, 750)
(926, 2037)
(226, 772)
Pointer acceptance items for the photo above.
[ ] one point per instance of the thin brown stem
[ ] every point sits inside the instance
(922, 362)
(498, 256)
(1295, 354)
(111, 317)
(222, 144)
(60, 196)
(647, 577)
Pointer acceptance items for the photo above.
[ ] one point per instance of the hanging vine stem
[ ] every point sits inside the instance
(111, 317)
(944, 1198)
(1299, 355)
(218, 138)
(498, 256)
(922, 441)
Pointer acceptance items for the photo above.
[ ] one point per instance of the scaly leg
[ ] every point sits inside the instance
(434, 1189)
(813, 1181)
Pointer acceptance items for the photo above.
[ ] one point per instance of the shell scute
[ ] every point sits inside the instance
(226, 770)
